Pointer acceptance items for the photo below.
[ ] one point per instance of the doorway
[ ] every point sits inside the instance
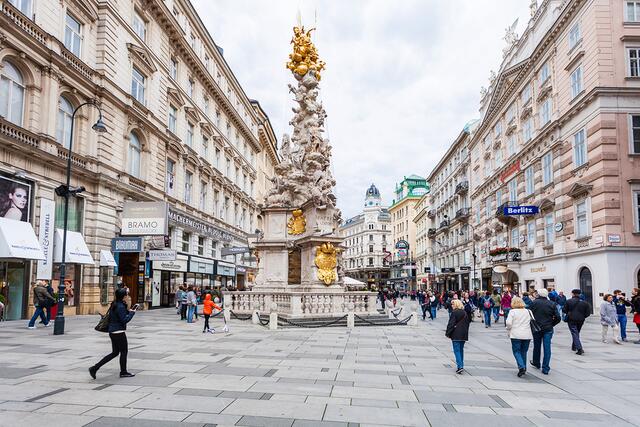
(14, 290)
(586, 285)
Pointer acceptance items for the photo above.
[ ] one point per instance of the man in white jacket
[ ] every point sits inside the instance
(519, 327)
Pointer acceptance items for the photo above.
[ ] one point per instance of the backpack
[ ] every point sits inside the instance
(103, 323)
(487, 303)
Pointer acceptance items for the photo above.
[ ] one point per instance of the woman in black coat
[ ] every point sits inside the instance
(118, 319)
(458, 332)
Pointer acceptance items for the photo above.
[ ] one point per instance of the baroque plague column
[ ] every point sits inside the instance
(299, 252)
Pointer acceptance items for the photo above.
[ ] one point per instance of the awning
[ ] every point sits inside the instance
(77, 250)
(18, 240)
(106, 259)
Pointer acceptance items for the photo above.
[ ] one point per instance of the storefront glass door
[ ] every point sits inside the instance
(13, 288)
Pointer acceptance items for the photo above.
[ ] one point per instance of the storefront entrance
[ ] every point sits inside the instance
(14, 289)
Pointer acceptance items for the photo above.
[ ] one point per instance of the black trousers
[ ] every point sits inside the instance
(119, 345)
(183, 311)
(575, 329)
(206, 322)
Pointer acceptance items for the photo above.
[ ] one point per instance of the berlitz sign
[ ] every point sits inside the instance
(520, 210)
(144, 219)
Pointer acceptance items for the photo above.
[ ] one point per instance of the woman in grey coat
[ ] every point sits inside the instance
(609, 319)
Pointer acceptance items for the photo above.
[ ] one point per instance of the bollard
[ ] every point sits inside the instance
(351, 320)
(273, 317)
(255, 318)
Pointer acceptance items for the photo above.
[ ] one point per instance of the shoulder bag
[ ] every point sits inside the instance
(449, 332)
(103, 323)
(535, 326)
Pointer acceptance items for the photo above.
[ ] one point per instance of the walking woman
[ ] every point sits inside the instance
(458, 332)
(609, 319)
(120, 316)
(635, 304)
(519, 328)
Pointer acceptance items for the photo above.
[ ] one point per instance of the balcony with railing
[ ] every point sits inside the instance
(506, 219)
(444, 224)
(431, 233)
(431, 213)
(463, 214)
(462, 187)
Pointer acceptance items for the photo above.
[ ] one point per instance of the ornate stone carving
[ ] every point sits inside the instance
(511, 37)
(533, 7)
(326, 261)
(305, 55)
(297, 223)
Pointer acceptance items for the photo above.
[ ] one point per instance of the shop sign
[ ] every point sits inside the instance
(538, 269)
(465, 268)
(520, 210)
(234, 250)
(241, 269)
(175, 265)
(200, 227)
(201, 265)
(614, 238)
(448, 270)
(408, 267)
(47, 222)
(402, 244)
(144, 219)
(513, 168)
(162, 255)
(126, 244)
(487, 273)
(225, 269)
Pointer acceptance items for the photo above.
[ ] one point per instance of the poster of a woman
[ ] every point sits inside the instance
(15, 199)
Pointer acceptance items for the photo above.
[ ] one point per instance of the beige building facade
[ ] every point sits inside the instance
(560, 131)
(180, 129)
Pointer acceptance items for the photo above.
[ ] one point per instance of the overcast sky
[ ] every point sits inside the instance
(402, 79)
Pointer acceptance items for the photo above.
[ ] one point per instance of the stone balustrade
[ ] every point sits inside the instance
(302, 304)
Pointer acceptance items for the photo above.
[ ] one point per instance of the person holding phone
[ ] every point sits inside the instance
(118, 319)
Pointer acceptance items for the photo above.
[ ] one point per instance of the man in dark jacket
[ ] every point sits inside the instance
(41, 299)
(546, 315)
(576, 311)
(621, 304)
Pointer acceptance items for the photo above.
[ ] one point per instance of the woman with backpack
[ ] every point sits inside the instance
(487, 304)
(119, 316)
(458, 332)
(519, 327)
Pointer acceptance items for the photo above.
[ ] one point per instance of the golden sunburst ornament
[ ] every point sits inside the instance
(326, 261)
(297, 224)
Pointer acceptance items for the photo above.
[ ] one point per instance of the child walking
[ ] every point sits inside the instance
(207, 310)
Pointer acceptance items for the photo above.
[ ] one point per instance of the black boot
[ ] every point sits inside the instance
(92, 372)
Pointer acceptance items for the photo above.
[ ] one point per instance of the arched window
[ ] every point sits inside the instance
(135, 148)
(63, 126)
(586, 284)
(11, 93)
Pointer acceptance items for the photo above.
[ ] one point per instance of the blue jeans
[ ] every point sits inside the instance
(434, 311)
(622, 318)
(541, 339)
(487, 317)
(190, 311)
(496, 313)
(506, 313)
(38, 313)
(458, 351)
(520, 349)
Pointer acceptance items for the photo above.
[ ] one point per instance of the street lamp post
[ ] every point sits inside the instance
(66, 191)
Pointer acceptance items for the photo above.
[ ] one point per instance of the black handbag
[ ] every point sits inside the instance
(535, 326)
(103, 324)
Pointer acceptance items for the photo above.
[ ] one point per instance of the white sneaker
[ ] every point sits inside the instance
(605, 341)
(225, 329)
(618, 342)
(212, 331)
(31, 327)
(48, 324)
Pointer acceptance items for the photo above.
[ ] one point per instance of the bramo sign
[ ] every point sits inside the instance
(145, 219)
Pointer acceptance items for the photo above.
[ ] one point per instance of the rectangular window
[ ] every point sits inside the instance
(635, 135)
(527, 129)
(582, 221)
(531, 234)
(203, 195)
(574, 35)
(499, 158)
(23, 6)
(513, 190)
(200, 245)
(171, 176)
(515, 237)
(370, 261)
(511, 145)
(549, 232)
(576, 82)
(188, 185)
(214, 249)
(579, 148)
(370, 248)
(371, 235)
(216, 197)
(528, 180)
(633, 11)
(487, 143)
(72, 35)
(497, 129)
(139, 25)
(511, 112)
(545, 112)
(205, 148)
(173, 118)
(547, 168)
(190, 88)
(190, 130)
(137, 85)
(636, 209)
(526, 94)
(488, 207)
(477, 215)
(634, 62)
(544, 73)
(174, 68)
(499, 198)
(186, 241)
(218, 158)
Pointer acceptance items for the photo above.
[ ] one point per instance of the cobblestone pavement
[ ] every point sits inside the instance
(307, 377)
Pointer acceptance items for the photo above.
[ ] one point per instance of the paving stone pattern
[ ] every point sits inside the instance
(396, 376)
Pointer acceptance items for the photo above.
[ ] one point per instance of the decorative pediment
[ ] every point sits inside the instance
(175, 97)
(142, 58)
(503, 83)
(193, 113)
(546, 205)
(86, 8)
(206, 128)
(578, 190)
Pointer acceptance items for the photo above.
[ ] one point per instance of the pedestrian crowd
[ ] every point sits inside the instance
(189, 297)
(533, 317)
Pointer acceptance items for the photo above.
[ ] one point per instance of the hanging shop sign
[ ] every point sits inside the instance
(47, 222)
(402, 244)
(447, 270)
(126, 244)
(520, 210)
(202, 228)
(145, 219)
